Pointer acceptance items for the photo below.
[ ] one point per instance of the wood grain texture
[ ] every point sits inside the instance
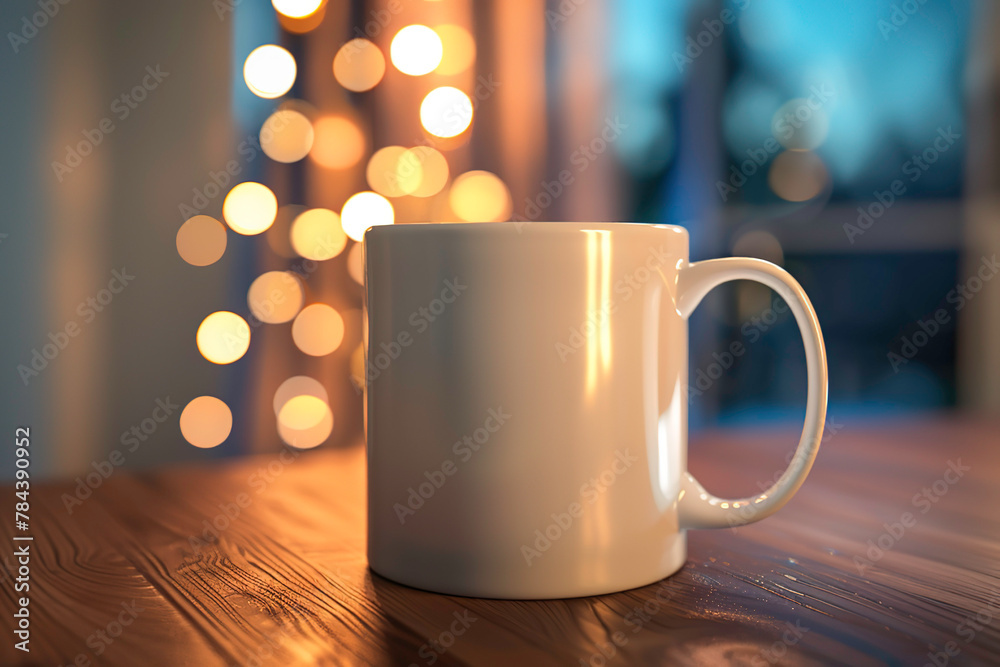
(261, 562)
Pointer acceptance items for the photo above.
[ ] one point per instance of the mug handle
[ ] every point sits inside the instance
(696, 507)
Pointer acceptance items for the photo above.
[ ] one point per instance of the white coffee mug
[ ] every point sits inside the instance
(526, 405)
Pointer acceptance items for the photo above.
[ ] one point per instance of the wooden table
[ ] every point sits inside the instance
(138, 575)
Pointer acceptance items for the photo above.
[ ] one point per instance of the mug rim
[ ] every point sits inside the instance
(518, 226)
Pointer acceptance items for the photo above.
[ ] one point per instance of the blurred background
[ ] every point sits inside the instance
(851, 142)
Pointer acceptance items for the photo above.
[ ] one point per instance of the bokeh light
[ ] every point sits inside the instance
(356, 263)
(364, 210)
(480, 196)
(433, 169)
(338, 143)
(797, 175)
(318, 330)
(275, 297)
(299, 385)
(446, 112)
(317, 234)
(296, 9)
(201, 240)
(416, 50)
(305, 422)
(206, 422)
(459, 49)
(223, 337)
(800, 125)
(359, 65)
(760, 244)
(269, 71)
(250, 208)
(389, 175)
(286, 136)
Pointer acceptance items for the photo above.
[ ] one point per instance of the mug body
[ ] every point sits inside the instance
(525, 416)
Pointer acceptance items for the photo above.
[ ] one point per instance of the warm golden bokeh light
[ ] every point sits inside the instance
(223, 337)
(797, 175)
(317, 234)
(201, 240)
(760, 244)
(275, 297)
(299, 385)
(296, 9)
(304, 410)
(338, 143)
(446, 112)
(389, 175)
(459, 49)
(250, 208)
(318, 330)
(433, 169)
(364, 210)
(359, 65)
(416, 50)
(269, 71)
(206, 422)
(356, 263)
(286, 136)
(480, 196)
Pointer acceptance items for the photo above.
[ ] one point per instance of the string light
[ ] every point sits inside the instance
(201, 240)
(206, 422)
(317, 234)
(359, 65)
(416, 50)
(296, 9)
(480, 196)
(364, 210)
(446, 112)
(250, 208)
(269, 71)
(223, 337)
(286, 136)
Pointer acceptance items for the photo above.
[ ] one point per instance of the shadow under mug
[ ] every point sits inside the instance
(526, 405)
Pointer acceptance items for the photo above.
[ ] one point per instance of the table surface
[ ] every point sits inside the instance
(136, 575)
